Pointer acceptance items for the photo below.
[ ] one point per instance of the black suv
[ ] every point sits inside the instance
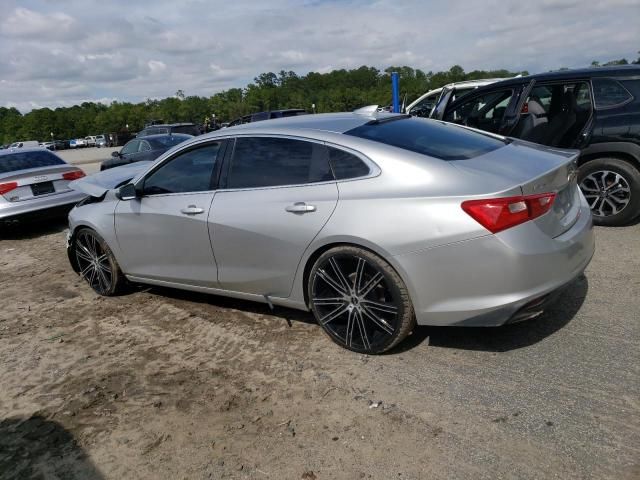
(596, 110)
(268, 115)
(168, 128)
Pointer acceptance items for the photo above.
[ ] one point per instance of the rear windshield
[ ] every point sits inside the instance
(170, 140)
(190, 129)
(13, 162)
(153, 131)
(429, 137)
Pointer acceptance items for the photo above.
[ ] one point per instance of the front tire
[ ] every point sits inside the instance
(359, 300)
(96, 263)
(612, 189)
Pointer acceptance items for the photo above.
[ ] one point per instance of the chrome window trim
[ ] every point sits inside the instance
(374, 170)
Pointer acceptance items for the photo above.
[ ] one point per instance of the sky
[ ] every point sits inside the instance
(63, 52)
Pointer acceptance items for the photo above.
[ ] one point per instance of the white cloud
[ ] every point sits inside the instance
(59, 53)
(26, 23)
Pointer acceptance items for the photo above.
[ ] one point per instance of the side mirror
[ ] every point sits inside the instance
(115, 154)
(127, 192)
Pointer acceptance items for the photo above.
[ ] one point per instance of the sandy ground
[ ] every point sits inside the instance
(88, 159)
(160, 383)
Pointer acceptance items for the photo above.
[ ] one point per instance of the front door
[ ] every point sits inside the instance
(163, 234)
(279, 193)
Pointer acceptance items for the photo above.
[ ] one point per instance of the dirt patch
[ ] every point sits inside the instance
(165, 384)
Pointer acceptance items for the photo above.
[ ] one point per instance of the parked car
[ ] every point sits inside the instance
(101, 141)
(48, 145)
(596, 110)
(259, 116)
(372, 221)
(422, 106)
(144, 149)
(62, 144)
(166, 128)
(77, 143)
(33, 181)
(90, 140)
(25, 144)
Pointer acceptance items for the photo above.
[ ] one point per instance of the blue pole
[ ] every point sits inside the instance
(395, 89)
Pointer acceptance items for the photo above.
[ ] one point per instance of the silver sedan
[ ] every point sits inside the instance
(33, 181)
(374, 222)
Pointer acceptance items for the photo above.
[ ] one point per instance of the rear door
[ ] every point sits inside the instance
(275, 197)
(163, 235)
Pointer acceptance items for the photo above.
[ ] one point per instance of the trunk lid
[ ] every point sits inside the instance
(37, 182)
(535, 169)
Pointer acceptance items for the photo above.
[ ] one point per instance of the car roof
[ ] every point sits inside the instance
(169, 125)
(9, 151)
(156, 136)
(614, 71)
(328, 122)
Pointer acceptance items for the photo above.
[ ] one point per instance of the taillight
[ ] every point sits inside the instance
(73, 175)
(7, 187)
(497, 214)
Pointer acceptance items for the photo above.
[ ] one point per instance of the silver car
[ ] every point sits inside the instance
(374, 222)
(34, 181)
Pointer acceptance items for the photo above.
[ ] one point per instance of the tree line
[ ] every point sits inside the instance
(338, 90)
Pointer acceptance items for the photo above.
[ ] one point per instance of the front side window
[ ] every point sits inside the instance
(131, 147)
(483, 111)
(609, 93)
(270, 162)
(191, 171)
(423, 107)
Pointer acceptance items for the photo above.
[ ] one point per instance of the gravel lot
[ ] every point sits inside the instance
(166, 384)
(87, 158)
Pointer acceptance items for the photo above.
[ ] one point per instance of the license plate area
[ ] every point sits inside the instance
(42, 188)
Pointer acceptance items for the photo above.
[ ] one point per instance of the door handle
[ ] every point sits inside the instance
(300, 207)
(192, 210)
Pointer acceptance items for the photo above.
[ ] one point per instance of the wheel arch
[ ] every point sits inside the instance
(628, 152)
(318, 250)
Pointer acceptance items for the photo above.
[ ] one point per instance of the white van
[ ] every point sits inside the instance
(25, 144)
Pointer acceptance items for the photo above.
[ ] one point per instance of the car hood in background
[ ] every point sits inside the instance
(98, 184)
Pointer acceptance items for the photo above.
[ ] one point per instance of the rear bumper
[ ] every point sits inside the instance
(15, 210)
(496, 279)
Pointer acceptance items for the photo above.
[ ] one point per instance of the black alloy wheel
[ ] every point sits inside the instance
(359, 300)
(96, 263)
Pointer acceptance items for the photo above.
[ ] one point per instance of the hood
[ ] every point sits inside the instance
(98, 184)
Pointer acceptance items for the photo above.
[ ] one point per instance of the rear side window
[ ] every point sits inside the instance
(346, 165)
(23, 160)
(609, 93)
(188, 129)
(169, 140)
(429, 137)
(269, 162)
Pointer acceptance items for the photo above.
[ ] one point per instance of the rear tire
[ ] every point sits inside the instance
(612, 189)
(96, 263)
(359, 300)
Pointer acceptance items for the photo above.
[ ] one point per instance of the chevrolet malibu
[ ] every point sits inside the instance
(374, 222)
